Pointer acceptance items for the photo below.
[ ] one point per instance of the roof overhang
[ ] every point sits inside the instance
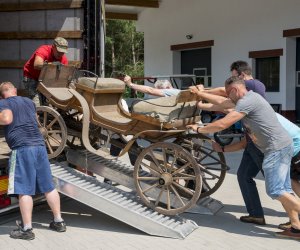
(128, 9)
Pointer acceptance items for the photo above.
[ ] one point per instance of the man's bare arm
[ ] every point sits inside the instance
(220, 91)
(222, 101)
(6, 117)
(220, 124)
(38, 62)
(147, 90)
(142, 88)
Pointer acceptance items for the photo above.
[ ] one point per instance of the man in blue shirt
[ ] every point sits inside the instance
(29, 168)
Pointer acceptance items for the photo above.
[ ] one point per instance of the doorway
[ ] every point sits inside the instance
(197, 62)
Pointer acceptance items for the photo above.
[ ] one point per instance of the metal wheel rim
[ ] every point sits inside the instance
(169, 168)
(51, 121)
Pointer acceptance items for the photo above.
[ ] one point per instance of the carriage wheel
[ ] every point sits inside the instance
(53, 129)
(211, 163)
(161, 172)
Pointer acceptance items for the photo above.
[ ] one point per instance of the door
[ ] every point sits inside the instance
(197, 62)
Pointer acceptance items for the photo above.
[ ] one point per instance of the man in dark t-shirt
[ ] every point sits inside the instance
(252, 158)
(29, 168)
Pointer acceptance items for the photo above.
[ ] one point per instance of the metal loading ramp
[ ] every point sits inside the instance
(121, 205)
(122, 173)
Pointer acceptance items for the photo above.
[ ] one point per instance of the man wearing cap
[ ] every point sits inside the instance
(44, 54)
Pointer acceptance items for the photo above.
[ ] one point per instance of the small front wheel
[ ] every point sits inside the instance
(53, 129)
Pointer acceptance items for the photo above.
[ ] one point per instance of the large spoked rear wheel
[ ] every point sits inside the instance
(161, 173)
(53, 129)
(211, 163)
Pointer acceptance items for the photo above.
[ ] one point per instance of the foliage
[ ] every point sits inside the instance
(124, 50)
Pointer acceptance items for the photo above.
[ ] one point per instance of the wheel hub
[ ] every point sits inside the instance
(165, 179)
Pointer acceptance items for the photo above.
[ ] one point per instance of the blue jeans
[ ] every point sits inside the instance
(249, 167)
(276, 166)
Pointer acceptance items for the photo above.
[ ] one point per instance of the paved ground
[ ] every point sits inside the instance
(90, 229)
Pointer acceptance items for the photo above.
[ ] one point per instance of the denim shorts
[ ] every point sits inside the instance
(276, 166)
(29, 171)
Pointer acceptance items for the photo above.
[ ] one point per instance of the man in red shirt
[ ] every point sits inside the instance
(44, 54)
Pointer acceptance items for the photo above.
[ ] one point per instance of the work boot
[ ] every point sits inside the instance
(253, 219)
(290, 233)
(285, 226)
(58, 226)
(20, 233)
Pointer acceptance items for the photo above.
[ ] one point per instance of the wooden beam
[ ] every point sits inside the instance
(68, 4)
(134, 3)
(123, 16)
(291, 33)
(40, 35)
(265, 53)
(195, 45)
(19, 64)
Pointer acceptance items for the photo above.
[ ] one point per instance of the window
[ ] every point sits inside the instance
(267, 71)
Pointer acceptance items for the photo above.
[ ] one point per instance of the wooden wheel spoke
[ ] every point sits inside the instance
(39, 123)
(174, 160)
(52, 122)
(151, 168)
(184, 175)
(165, 158)
(49, 146)
(151, 187)
(155, 160)
(56, 131)
(182, 188)
(168, 199)
(159, 196)
(184, 178)
(177, 195)
(45, 118)
(181, 168)
(54, 139)
(148, 178)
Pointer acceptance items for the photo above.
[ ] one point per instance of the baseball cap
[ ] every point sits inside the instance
(61, 44)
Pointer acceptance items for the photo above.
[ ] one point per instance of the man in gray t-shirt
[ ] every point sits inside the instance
(271, 138)
(261, 123)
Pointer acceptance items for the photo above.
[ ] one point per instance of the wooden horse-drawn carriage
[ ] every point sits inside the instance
(89, 113)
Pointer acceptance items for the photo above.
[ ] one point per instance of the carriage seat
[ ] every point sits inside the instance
(62, 94)
(166, 109)
(104, 84)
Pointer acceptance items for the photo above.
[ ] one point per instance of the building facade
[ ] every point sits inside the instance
(204, 37)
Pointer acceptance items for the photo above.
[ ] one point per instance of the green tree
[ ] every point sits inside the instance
(124, 49)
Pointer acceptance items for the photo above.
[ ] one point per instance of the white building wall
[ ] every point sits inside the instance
(236, 26)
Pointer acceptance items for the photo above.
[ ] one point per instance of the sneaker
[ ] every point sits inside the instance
(58, 226)
(253, 219)
(19, 233)
(289, 233)
(285, 226)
